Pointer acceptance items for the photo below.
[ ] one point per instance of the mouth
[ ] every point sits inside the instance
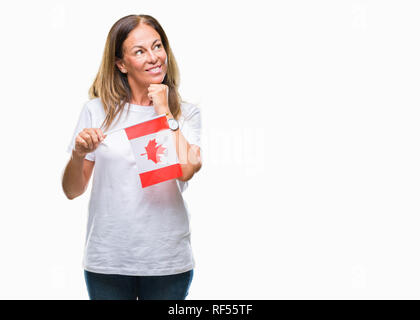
(155, 70)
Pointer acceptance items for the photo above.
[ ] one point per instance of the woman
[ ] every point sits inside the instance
(138, 240)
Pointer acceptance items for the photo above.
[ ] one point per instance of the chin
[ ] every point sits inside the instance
(157, 80)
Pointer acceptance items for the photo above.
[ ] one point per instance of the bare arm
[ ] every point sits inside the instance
(76, 176)
(189, 156)
(79, 170)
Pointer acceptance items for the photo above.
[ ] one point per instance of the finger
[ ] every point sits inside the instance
(94, 136)
(88, 139)
(81, 144)
(100, 134)
(157, 85)
(152, 88)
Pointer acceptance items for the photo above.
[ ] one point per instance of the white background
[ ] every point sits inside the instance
(310, 183)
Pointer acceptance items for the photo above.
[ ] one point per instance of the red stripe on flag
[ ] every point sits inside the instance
(160, 175)
(147, 127)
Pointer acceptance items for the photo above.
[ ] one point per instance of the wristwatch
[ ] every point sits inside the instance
(173, 123)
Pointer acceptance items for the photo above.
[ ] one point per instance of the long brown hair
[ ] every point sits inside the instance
(111, 85)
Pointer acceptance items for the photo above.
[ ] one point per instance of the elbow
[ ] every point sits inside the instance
(185, 176)
(192, 165)
(72, 196)
(189, 171)
(69, 194)
(72, 186)
(198, 167)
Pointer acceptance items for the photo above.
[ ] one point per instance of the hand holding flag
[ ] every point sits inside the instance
(88, 140)
(153, 143)
(154, 151)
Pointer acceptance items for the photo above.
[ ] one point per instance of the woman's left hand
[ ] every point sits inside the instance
(158, 94)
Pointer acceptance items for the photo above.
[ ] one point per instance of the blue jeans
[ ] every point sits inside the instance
(119, 287)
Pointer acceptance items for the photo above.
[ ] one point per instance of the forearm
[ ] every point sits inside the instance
(188, 156)
(73, 181)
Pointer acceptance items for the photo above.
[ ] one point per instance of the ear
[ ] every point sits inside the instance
(120, 64)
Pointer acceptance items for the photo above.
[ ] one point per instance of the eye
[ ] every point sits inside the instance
(138, 51)
(158, 45)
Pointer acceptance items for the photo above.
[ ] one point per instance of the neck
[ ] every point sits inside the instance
(139, 94)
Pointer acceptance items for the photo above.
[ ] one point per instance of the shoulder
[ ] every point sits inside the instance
(189, 110)
(94, 106)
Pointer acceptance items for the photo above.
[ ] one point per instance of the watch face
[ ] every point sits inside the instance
(173, 124)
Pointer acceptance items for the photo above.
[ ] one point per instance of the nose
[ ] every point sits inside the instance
(151, 56)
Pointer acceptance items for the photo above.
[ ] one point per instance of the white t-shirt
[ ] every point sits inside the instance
(130, 230)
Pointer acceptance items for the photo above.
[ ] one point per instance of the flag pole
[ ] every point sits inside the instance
(115, 130)
(112, 131)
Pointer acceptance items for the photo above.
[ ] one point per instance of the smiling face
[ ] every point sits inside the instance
(143, 51)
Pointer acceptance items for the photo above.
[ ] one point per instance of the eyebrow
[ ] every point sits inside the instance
(138, 46)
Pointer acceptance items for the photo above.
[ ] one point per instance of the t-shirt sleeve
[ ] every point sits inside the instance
(192, 127)
(85, 121)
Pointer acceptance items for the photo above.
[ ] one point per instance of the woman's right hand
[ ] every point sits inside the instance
(88, 140)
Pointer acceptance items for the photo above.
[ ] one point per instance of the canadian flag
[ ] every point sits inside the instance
(154, 150)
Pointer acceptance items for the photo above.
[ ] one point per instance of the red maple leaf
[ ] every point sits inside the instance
(154, 151)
